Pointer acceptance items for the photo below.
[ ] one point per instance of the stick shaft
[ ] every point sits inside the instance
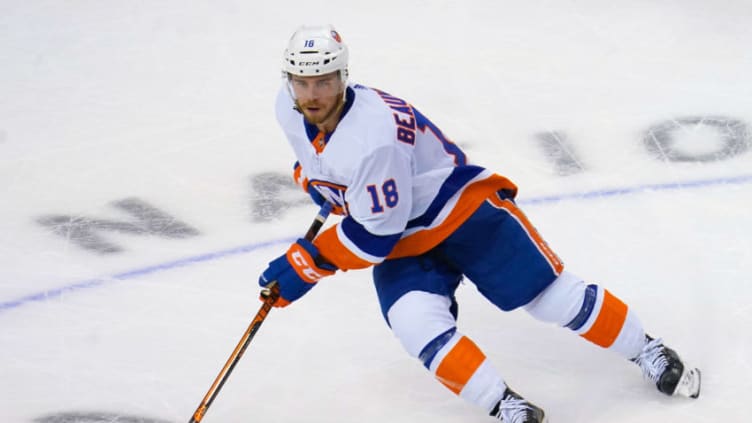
(223, 375)
(270, 297)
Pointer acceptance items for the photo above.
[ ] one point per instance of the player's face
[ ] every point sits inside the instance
(318, 97)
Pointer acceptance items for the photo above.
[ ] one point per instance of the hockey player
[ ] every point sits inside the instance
(416, 211)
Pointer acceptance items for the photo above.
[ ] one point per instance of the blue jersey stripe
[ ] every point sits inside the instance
(375, 245)
(459, 177)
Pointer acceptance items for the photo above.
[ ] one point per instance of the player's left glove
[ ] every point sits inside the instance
(296, 271)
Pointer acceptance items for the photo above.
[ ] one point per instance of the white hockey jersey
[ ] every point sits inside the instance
(402, 185)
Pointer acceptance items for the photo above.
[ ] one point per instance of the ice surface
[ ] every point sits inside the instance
(169, 104)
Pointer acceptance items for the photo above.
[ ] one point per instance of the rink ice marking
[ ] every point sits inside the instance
(189, 261)
(613, 192)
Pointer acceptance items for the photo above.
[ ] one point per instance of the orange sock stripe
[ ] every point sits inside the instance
(543, 247)
(608, 324)
(459, 365)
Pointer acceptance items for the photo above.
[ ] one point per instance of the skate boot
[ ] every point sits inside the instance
(512, 408)
(663, 366)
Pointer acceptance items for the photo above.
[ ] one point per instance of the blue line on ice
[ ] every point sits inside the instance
(671, 186)
(132, 274)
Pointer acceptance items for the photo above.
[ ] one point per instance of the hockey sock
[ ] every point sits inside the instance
(458, 363)
(592, 312)
(607, 321)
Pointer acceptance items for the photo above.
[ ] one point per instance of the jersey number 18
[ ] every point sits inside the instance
(388, 192)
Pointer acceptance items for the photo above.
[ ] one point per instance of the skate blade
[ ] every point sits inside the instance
(690, 383)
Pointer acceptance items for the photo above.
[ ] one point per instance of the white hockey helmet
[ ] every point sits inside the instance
(315, 50)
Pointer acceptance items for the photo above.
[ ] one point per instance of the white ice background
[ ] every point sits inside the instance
(171, 102)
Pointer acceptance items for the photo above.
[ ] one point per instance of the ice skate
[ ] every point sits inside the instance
(663, 366)
(512, 408)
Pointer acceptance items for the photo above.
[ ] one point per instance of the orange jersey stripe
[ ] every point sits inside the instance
(460, 364)
(543, 247)
(608, 324)
(469, 201)
(332, 249)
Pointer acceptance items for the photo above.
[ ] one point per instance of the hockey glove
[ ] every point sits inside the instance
(296, 272)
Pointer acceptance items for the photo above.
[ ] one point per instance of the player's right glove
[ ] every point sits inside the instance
(296, 272)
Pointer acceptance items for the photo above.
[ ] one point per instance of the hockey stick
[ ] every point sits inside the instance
(270, 294)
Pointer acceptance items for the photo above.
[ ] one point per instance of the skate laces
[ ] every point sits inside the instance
(651, 360)
(513, 410)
